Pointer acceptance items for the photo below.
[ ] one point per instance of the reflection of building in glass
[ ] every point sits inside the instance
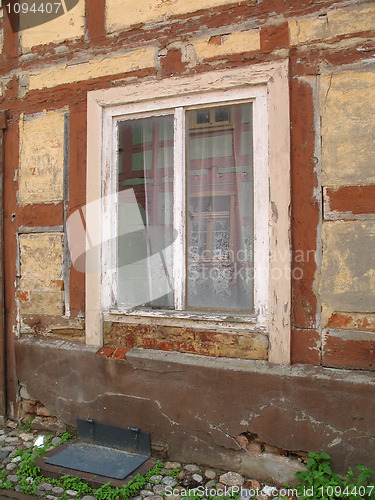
(218, 197)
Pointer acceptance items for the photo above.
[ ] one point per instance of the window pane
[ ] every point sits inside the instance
(145, 212)
(220, 208)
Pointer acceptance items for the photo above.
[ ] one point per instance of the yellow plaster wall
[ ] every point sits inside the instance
(124, 13)
(41, 162)
(347, 280)
(347, 106)
(61, 74)
(68, 26)
(40, 286)
(234, 43)
(336, 22)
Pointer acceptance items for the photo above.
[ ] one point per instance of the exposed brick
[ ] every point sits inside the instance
(242, 441)
(186, 347)
(217, 338)
(207, 343)
(163, 346)
(120, 353)
(354, 321)
(48, 424)
(29, 406)
(216, 40)
(147, 343)
(172, 64)
(178, 333)
(42, 411)
(106, 351)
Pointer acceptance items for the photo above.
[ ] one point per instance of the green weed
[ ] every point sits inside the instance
(320, 482)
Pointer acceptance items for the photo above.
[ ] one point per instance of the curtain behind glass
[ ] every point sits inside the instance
(145, 212)
(220, 208)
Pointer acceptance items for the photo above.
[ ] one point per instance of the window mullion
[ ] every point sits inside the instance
(179, 212)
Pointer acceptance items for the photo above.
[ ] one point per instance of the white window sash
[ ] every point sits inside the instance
(260, 183)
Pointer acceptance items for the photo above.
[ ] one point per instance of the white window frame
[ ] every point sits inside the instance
(266, 86)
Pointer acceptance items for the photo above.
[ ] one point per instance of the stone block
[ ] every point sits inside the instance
(221, 45)
(68, 26)
(347, 104)
(41, 163)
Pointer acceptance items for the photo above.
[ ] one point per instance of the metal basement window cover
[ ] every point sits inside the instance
(113, 452)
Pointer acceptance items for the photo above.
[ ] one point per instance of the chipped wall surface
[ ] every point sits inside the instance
(68, 26)
(195, 406)
(41, 168)
(125, 13)
(347, 281)
(208, 343)
(234, 43)
(347, 102)
(95, 68)
(40, 288)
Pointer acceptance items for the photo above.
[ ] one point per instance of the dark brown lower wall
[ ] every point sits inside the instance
(195, 406)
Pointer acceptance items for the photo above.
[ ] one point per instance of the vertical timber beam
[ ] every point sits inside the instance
(3, 126)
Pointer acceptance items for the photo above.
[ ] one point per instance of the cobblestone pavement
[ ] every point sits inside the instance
(160, 487)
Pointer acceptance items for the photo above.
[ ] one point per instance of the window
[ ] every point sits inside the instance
(193, 177)
(217, 218)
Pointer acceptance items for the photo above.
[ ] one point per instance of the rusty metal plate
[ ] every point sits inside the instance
(133, 440)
